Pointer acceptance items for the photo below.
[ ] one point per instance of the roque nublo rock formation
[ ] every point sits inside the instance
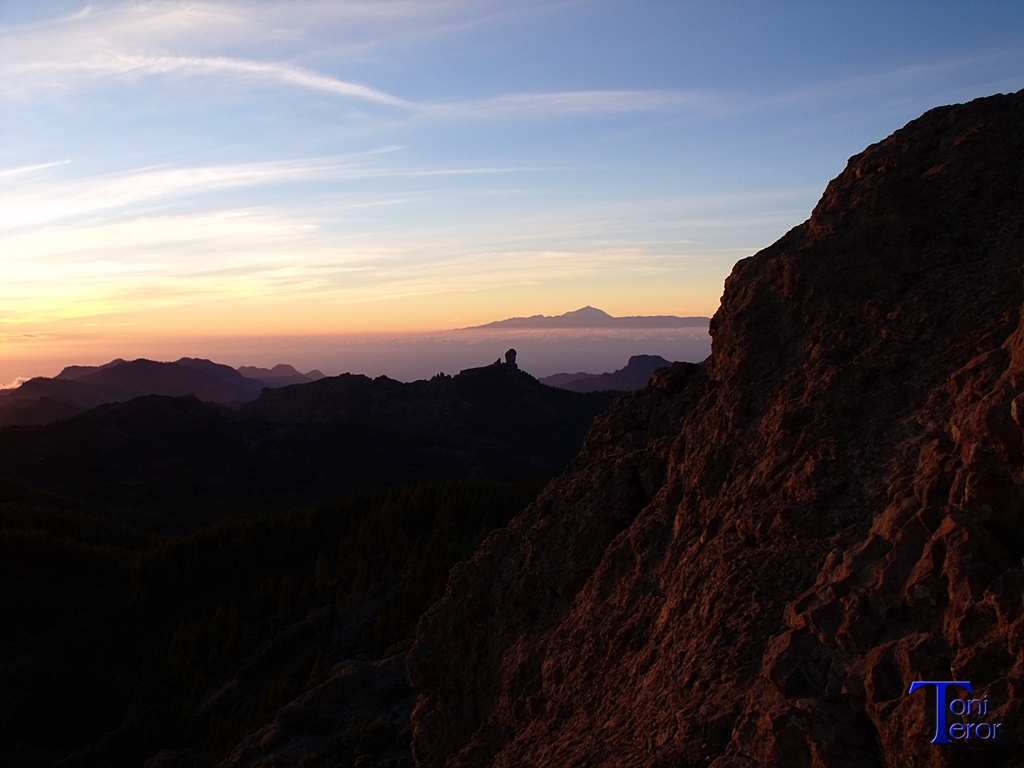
(752, 559)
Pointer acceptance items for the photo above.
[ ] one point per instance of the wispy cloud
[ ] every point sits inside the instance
(569, 103)
(26, 256)
(43, 204)
(27, 76)
(30, 169)
(120, 43)
(117, 64)
(263, 257)
(191, 38)
(32, 203)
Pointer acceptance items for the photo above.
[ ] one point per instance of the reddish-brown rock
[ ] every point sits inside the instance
(751, 560)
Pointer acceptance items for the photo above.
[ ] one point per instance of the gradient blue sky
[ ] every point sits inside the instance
(174, 171)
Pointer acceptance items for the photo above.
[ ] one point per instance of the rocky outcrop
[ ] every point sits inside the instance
(750, 561)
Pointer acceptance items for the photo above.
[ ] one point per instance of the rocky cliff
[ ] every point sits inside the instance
(751, 560)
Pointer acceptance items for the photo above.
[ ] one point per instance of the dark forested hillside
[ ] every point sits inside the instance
(173, 573)
(117, 640)
(179, 462)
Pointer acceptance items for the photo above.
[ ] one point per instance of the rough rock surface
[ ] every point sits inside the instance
(354, 718)
(751, 560)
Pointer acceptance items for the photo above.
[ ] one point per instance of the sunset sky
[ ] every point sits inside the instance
(173, 172)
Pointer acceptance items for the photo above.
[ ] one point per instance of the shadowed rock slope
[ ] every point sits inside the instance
(750, 561)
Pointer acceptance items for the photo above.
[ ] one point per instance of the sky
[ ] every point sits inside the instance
(262, 180)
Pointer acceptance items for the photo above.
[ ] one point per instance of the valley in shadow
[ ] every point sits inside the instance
(173, 572)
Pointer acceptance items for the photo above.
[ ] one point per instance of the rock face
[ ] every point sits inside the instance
(751, 560)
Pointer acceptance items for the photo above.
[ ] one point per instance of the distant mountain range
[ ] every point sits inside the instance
(280, 375)
(590, 317)
(334, 435)
(78, 388)
(635, 375)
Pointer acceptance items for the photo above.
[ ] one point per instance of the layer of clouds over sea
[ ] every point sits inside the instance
(404, 357)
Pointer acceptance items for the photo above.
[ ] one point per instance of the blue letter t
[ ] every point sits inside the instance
(940, 704)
